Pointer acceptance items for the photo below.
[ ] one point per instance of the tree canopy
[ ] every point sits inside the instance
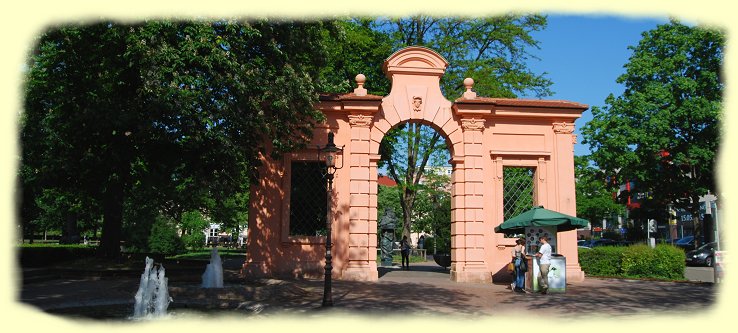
(663, 131)
(165, 116)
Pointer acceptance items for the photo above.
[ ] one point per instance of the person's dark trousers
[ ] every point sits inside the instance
(406, 259)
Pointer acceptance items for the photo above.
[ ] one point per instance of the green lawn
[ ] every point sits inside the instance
(205, 254)
(397, 259)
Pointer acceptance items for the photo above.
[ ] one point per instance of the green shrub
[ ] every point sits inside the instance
(164, 238)
(670, 261)
(192, 224)
(638, 261)
(601, 261)
(194, 241)
(36, 255)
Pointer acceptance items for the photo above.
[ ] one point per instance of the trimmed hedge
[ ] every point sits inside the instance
(45, 254)
(637, 261)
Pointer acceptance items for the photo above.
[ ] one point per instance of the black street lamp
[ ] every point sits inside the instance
(329, 154)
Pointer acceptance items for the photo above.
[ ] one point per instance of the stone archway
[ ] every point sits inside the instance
(485, 136)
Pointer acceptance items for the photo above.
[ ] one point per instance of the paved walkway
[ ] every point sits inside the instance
(424, 290)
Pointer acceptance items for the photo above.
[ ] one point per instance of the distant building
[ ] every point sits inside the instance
(440, 170)
(215, 234)
(386, 181)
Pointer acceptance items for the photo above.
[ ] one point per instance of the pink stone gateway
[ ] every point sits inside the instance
(484, 135)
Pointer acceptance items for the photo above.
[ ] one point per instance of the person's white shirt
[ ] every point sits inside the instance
(545, 252)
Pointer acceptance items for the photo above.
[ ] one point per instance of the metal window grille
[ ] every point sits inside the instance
(308, 199)
(517, 185)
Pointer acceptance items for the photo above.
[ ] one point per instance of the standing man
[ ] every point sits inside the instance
(544, 263)
(405, 252)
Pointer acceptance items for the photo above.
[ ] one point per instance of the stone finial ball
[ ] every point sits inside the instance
(360, 78)
(468, 82)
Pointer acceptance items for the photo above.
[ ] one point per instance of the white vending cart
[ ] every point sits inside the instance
(557, 270)
(556, 274)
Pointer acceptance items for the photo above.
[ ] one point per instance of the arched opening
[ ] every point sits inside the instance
(414, 185)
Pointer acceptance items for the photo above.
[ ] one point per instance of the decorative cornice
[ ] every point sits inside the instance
(360, 120)
(563, 128)
(472, 124)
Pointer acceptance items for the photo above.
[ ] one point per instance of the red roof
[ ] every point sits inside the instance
(386, 181)
(348, 97)
(523, 102)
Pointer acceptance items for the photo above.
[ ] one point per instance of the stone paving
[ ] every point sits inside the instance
(424, 290)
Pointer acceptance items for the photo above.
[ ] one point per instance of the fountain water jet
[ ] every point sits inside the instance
(152, 297)
(213, 276)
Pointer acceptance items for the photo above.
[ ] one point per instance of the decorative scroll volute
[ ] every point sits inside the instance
(472, 124)
(563, 128)
(360, 120)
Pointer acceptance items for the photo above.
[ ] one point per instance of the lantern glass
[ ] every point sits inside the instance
(330, 159)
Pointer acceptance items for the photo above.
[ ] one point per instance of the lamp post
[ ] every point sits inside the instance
(329, 154)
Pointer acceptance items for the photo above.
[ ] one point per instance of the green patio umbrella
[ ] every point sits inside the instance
(541, 217)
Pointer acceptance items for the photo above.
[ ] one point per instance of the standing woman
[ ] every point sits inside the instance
(518, 259)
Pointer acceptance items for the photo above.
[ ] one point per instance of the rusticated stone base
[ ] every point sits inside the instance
(574, 274)
(360, 274)
(473, 276)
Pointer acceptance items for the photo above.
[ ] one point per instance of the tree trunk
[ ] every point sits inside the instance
(408, 202)
(70, 232)
(112, 227)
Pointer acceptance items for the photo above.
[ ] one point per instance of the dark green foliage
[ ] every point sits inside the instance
(439, 244)
(162, 116)
(193, 224)
(614, 235)
(637, 261)
(601, 261)
(594, 189)
(492, 50)
(433, 202)
(389, 197)
(194, 241)
(164, 238)
(665, 262)
(356, 48)
(139, 214)
(663, 132)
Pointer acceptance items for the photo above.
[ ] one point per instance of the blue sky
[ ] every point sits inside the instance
(584, 55)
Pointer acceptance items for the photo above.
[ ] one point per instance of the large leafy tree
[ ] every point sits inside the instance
(493, 50)
(595, 192)
(170, 114)
(663, 131)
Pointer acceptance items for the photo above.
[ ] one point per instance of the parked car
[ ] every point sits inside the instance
(703, 255)
(602, 242)
(686, 243)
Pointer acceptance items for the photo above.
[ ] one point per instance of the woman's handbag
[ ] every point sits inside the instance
(510, 267)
